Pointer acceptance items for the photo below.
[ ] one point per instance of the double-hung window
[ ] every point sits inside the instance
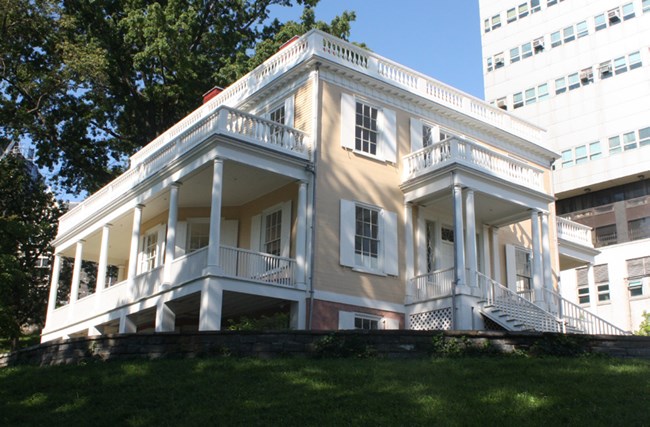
(534, 6)
(629, 141)
(595, 152)
(556, 39)
(152, 249)
(514, 55)
(526, 50)
(583, 285)
(560, 85)
(628, 11)
(368, 238)
(638, 269)
(531, 96)
(517, 100)
(542, 92)
(601, 277)
(198, 234)
(271, 230)
(368, 129)
(569, 34)
(581, 29)
(523, 10)
(635, 60)
(567, 158)
(600, 22)
(620, 65)
(644, 137)
(646, 6)
(511, 15)
(581, 154)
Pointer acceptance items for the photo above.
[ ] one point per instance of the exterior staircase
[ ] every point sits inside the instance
(516, 313)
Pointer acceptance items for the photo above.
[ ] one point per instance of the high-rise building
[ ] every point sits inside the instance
(581, 69)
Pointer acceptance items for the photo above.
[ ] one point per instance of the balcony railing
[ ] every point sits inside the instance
(574, 232)
(437, 284)
(224, 121)
(260, 267)
(456, 150)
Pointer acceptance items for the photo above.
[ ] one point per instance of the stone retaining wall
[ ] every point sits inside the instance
(390, 344)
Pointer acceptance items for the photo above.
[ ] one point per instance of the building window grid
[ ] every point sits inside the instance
(576, 80)
(565, 35)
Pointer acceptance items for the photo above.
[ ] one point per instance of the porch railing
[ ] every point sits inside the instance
(224, 121)
(261, 267)
(477, 156)
(579, 320)
(574, 232)
(437, 284)
(516, 307)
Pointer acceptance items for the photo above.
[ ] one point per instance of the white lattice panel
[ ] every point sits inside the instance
(432, 320)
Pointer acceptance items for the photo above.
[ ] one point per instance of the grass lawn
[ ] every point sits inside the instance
(228, 391)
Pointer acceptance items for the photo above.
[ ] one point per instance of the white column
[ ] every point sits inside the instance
(135, 237)
(54, 284)
(298, 314)
(211, 305)
(103, 259)
(537, 257)
(459, 245)
(547, 271)
(215, 216)
(127, 326)
(496, 255)
(170, 244)
(301, 235)
(76, 272)
(410, 255)
(165, 318)
(470, 237)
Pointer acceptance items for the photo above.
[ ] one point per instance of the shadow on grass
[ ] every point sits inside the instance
(329, 392)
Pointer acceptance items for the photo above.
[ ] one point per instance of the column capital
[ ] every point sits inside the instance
(217, 159)
(176, 184)
(108, 224)
(139, 206)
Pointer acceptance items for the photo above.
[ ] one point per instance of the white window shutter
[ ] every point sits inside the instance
(511, 267)
(162, 243)
(285, 237)
(346, 320)
(346, 236)
(348, 115)
(181, 239)
(389, 135)
(256, 233)
(391, 262)
(416, 134)
(289, 111)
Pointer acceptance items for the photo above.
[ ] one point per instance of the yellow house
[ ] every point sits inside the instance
(335, 187)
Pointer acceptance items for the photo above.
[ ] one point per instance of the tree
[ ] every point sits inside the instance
(644, 327)
(91, 82)
(28, 223)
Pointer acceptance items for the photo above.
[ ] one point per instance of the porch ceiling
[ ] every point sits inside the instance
(488, 209)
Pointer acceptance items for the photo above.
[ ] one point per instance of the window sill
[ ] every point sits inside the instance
(369, 271)
(368, 155)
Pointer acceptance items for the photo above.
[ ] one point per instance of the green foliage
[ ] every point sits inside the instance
(644, 327)
(274, 322)
(442, 346)
(90, 82)
(342, 346)
(28, 223)
(560, 345)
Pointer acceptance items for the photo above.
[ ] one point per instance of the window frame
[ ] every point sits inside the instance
(600, 22)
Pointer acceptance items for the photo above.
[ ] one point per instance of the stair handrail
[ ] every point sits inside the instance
(579, 319)
(491, 288)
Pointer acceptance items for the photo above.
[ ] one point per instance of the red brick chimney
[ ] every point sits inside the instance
(212, 93)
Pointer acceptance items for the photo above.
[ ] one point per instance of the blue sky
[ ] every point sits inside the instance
(440, 38)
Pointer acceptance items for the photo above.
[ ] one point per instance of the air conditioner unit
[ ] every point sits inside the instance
(614, 15)
(501, 103)
(538, 44)
(586, 75)
(605, 69)
(498, 61)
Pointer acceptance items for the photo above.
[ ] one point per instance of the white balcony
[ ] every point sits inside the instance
(575, 244)
(224, 122)
(474, 156)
